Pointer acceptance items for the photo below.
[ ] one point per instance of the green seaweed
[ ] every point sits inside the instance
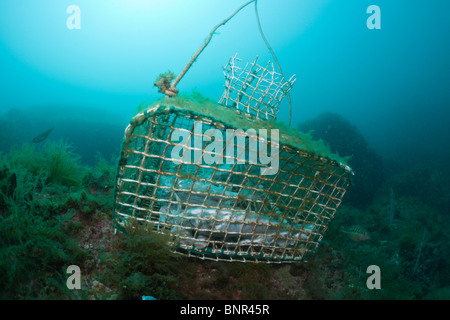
(47, 217)
(33, 244)
(163, 81)
(42, 201)
(56, 161)
(198, 103)
(143, 263)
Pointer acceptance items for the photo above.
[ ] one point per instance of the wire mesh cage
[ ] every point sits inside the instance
(255, 89)
(193, 174)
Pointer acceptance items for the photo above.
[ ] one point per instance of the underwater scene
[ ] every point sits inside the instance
(224, 150)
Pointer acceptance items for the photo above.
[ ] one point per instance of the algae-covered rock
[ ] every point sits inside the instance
(346, 140)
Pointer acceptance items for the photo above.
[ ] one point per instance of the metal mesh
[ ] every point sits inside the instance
(255, 89)
(228, 210)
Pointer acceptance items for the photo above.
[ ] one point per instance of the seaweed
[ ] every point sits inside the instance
(163, 81)
(198, 103)
(102, 175)
(143, 263)
(42, 198)
(33, 244)
(50, 219)
(56, 161)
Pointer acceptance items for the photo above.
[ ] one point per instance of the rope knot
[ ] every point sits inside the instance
(163, 83)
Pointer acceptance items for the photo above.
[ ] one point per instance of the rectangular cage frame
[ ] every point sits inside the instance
(224, 211)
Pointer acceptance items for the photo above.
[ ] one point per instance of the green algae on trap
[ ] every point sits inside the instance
(200, 104)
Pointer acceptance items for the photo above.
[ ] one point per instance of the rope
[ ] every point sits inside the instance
(275, 58)
(165, 79)
(191, 62)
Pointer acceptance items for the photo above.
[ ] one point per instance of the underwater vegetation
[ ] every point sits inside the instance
(163, 83)
(53, 216)
(55, 162)
(41, 201)
(410, 248)
(33, 242)
(143, 263)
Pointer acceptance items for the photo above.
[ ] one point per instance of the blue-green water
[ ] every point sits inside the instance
(392, 84)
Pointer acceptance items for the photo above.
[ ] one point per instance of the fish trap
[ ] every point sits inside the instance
(200, 173)
(255, 89)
